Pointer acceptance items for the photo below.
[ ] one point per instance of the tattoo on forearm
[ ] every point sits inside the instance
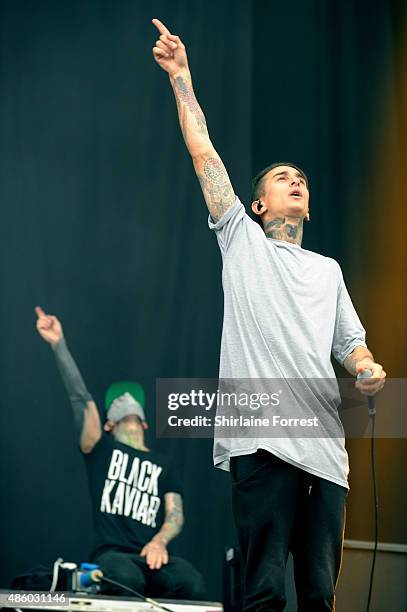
(174, 518)
(215, 183)
(185, 94)
(280, 229)
(216, 187)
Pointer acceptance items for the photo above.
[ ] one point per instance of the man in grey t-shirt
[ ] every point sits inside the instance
(286, 310)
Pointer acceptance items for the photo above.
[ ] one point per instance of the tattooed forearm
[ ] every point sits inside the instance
(216, 187)
(190, 115)
(174, 518)
(284, 229)
(184, 93)
(351, 361)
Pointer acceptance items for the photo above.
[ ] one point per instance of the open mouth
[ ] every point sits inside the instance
(296, 194)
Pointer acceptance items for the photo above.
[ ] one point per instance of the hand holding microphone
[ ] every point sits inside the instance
(370, 377)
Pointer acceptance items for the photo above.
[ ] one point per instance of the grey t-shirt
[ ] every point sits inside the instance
(286, 309)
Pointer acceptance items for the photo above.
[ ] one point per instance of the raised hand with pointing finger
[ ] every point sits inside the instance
(169, 51)
(48, 326)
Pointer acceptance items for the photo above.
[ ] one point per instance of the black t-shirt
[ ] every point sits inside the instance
(127, 488)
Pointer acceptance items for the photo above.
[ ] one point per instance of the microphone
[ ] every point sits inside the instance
(370, 400)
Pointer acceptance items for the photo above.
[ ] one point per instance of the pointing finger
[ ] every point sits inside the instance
(39, 312)
(160, 26)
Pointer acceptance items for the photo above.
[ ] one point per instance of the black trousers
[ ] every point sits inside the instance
(277, 508)
(178, 579)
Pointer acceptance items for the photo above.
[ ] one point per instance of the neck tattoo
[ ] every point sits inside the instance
(288, 229)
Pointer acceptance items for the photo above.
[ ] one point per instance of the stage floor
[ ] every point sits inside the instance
(101, 603)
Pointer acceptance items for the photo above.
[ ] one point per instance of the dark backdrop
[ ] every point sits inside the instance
(104, 225)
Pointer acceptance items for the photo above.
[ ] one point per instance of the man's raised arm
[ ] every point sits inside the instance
(85, 412)
(169, 53)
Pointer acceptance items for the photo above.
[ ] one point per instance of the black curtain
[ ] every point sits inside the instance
(104, 225)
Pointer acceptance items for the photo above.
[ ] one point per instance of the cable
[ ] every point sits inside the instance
(372, 412)
(376, 506)
(139, 595)
(55, 573)
(58, 564)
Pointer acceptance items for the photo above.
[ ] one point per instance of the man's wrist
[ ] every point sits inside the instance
(160, 539)
(360, 355)
(58, 343)
(181, 72)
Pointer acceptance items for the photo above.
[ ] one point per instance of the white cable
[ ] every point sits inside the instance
(69, 566)
(55, 573)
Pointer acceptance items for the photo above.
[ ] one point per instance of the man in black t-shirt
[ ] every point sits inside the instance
(136, 493)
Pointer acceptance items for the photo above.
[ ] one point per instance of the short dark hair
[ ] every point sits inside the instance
(258, 183)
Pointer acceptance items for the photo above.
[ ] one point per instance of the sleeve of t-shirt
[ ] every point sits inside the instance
(349, 331)
(228, 226)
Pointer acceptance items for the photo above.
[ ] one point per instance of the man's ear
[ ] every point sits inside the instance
(109, 425)
(258, 207)
(144, 424)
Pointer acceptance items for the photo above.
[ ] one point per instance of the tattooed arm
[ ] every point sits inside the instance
(174, 518)
(156, 550)
(169, 52)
